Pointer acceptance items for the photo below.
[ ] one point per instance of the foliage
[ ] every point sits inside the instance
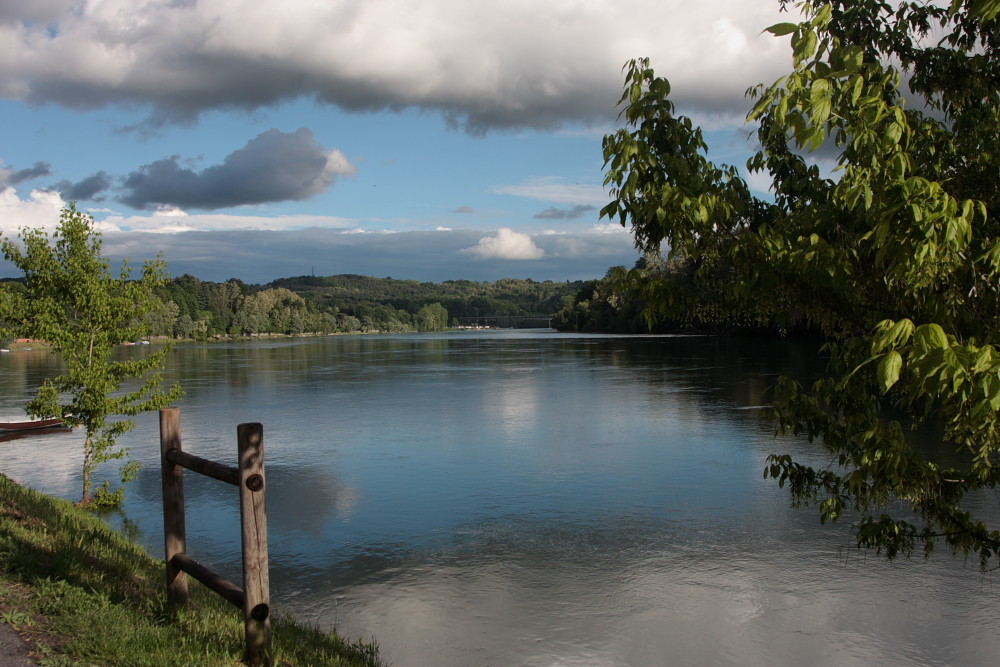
(608, 305)
(73, 302)
(894, 257)
(460, 298)
(657, 296)
(80, 588)
(191, 308)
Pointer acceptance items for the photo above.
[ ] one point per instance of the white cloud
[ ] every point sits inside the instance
(41, 211)
(610, 228)
(758, 181)
(507, 244)
(168, 211)
(483, 63)
(43, 207)
(556, 190)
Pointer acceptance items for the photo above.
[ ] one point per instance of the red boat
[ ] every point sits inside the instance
(30, 425)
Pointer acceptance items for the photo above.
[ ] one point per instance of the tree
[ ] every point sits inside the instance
(895, 257)
(72, 301)
(432, 317)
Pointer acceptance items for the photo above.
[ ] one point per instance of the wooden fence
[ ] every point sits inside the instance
(254, 597)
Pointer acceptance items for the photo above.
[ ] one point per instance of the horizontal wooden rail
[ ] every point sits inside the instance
(223, 473)
(223, 587)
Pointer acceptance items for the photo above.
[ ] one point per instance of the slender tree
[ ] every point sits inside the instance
(73, 302)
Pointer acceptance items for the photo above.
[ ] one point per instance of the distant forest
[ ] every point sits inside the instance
(191, 308)
(660, 295)
(186, 307)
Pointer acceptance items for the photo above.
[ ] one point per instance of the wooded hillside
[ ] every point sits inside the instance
(191, 308)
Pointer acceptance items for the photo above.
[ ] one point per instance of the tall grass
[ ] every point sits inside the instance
(86, 595)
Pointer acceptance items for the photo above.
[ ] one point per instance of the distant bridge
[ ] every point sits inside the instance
(507, 322)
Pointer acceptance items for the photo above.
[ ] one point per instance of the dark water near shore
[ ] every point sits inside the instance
(532, 498)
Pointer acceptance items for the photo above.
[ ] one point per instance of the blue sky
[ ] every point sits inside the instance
(423, 139)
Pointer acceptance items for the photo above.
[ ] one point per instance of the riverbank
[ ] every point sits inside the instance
(79, 592)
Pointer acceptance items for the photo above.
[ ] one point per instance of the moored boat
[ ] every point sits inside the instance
(31, 424)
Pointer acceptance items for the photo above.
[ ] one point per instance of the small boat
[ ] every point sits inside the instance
(7, 436)
(31, 424)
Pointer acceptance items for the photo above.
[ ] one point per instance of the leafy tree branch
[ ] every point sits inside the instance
(895, 257)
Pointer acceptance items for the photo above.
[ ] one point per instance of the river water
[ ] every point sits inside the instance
(531, 498)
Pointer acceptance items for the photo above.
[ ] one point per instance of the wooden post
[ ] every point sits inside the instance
(256, 588)
(255, 598)
(174, 534)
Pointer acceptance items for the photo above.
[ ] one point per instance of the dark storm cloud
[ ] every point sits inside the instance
(572, 213)
(482, 64)
(84, 190)
(273, 167)
(35, 11)
(14, 177)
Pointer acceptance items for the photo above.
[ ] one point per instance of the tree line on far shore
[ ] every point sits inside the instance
(660, 295)
(186, 307)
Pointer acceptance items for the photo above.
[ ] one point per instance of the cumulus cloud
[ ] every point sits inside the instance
(482, 63)
(87, 189)
(41, 210)
(43, 207)
(275, 166)
(507, 244)
(572, 213)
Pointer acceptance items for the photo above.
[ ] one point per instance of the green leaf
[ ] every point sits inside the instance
(985, 9)
(854, 86)
(930, 336)
(888, 370)
(804, 47)
(992, 391)
(819, 90)
(852, 57)
(782, 29)
(984, 360)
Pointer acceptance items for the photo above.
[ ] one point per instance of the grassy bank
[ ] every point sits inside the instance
(83, 594)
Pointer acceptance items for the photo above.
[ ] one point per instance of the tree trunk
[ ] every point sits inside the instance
(88, 448)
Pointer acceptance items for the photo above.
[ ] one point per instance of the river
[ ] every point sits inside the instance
(531, 498)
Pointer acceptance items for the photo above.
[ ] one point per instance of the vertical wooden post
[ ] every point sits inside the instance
(174, 533)
(256, 588)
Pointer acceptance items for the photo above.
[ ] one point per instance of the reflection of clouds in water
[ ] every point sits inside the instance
(51, 462)
(543, 500)
(307, 499)
(513, 395)
(618, 595)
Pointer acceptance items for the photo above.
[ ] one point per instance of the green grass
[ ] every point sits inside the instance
(84, 594)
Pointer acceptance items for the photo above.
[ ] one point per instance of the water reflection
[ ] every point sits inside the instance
(536, 499)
